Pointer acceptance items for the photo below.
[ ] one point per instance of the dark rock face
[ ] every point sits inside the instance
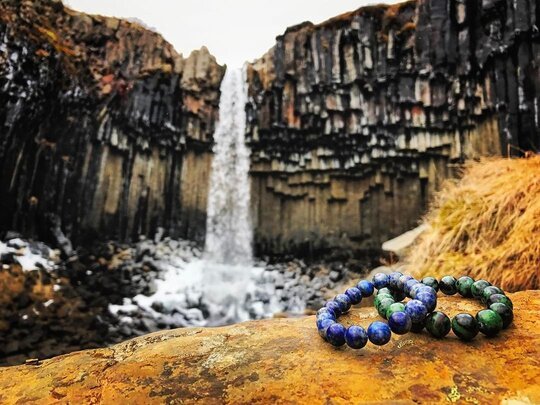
(355, 122)
(104, 128)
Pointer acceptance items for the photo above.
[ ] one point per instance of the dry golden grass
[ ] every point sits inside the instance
(486, 225)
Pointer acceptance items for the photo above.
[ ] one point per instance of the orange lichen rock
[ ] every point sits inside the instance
(285, 361)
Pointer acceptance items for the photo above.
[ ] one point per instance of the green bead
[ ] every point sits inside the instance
(489, 291)
(378, 299)
(464, 285)
(438, 324)
(397, 307)
(490, 322)
(384, 305)
(503, 299)
(465, 326)
(431, 282)
(504, 312)
(384, 290)
(478, 287)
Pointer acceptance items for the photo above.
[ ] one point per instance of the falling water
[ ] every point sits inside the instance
(228, 227)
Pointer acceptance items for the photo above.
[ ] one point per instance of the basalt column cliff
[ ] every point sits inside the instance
(104, 129)
(354, 123)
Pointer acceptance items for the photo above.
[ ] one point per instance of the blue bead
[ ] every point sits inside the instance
(379, 333)
(393, 280)
(400, 323)
(325, 315)
(354, 294)
(380, 280)
(335, 334)
(428, 299)
(426, 288)
(416, 310)
(409, 284)
(323, 326)
(334, 306)
(356, 337)
(402, 281)
(325, 310)
(414, 289)
(366, 287)
(344, 302)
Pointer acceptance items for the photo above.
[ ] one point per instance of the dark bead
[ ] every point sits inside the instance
(431, 282)
(384, 290)
(323, 326)
(393, 280)
(490, 322)
(400, 323)
(438, 324)
(335, 334)
(366, 287)
(447, 285)
(464, 285)
(416, 310)
(478, 287)
(489, 291)
(356, 337)
(379, 333)
(380, 280)
(354, 294)
(506, 313)
(344, 302)
(418, 327)
(334, 307)
(384, 305)
(465, 326)
(399, 295)
(428, 299)
(503, 299)
(409, 284)
(396, 307)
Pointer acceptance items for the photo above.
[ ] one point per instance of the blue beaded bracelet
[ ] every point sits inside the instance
(417, 313)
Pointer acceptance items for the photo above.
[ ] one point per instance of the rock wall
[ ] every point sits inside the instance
(104, 129)
(355, 122)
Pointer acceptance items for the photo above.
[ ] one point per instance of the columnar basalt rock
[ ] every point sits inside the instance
(104, 128)
(355, 122)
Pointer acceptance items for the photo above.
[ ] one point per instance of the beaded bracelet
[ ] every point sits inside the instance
(417, 313)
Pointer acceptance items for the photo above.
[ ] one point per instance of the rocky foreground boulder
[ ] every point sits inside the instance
(284, 361)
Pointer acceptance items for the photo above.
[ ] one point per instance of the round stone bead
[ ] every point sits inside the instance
(416, 310)
(414, 289)
(378, 299)
(344, 302)
(503, 299)
(489, 291)
(402, 281)
(409, 284)
(384, 290)
(400, 323)
(504, 312)
(428, 299)
(428, 289)
(335, 334)
(447, 285)
(399, 295)
(356, 337)
(366, 287)
(463, 285)
(478, 287)
(323, 326)
(431, 282)
(393, 280)
(396, 307)
(334, 307)
(418, 327)
(438, 324)
(325, 310)
(354, 294)
(325, 315)
(489, 321)
(384, 305)
(380, 280)
(379, 333)
(465, 326)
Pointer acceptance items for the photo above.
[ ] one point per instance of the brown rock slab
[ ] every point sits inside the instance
(285, 361)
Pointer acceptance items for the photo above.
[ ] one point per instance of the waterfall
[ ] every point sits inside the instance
(228, 227)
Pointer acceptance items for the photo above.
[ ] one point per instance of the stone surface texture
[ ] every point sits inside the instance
(355, 122)
(285, 361)
(104, 128)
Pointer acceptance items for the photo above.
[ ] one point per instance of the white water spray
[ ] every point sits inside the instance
(228, 227)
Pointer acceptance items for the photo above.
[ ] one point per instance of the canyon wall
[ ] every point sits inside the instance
(104, 129)
(354, 123)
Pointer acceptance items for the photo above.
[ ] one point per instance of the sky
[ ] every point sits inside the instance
(235, 31)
